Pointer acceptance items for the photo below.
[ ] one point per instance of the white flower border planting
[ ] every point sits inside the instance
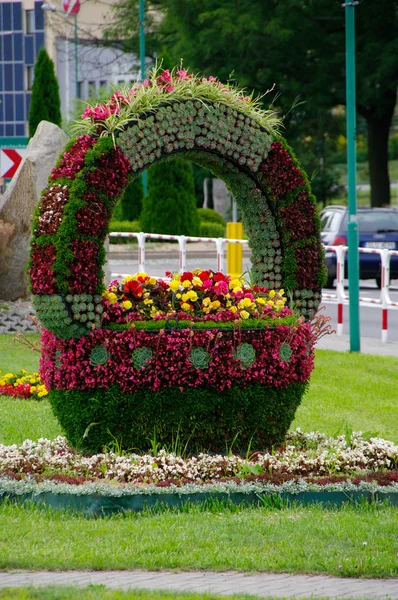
(305, 455)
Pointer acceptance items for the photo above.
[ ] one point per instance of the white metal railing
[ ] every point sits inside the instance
(340, 297)
(182, 247)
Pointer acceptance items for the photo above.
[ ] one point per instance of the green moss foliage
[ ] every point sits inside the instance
(255, 417)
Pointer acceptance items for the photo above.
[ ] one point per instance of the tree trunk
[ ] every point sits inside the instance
(378, 129)
(378, 124)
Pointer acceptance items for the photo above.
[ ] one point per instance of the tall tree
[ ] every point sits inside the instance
(45, 103)
(299, 45)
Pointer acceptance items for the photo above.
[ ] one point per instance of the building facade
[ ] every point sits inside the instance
(21, 37)
(82, 64)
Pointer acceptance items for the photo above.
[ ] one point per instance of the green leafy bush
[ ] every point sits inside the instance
(256, 416)
(211, 216)
(208, 229)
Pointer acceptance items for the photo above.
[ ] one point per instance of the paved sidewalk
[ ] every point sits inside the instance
(260, 585)
(341, 343)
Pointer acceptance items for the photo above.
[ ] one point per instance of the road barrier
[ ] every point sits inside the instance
(340, 297)
(182, 247)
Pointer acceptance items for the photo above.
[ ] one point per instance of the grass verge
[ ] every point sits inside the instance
(355, 541)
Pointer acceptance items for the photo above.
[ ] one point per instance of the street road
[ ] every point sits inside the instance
(160, 261)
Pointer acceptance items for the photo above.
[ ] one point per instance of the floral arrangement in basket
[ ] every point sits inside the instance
(200, 295)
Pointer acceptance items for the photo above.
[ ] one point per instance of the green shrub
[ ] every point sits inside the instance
(211, 216)
(170, 205)
(256, 416)
(124, 226)
(45, 103)
(131, 201)
(208, 229)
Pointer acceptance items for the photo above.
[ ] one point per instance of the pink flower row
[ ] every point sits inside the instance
(170, 366)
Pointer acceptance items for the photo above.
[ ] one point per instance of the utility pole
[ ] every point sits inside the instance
(353, 234)
(142, 59)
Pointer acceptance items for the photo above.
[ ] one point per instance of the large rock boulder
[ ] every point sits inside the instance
(19, 201)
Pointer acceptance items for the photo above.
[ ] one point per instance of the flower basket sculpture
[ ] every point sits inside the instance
(210, 381)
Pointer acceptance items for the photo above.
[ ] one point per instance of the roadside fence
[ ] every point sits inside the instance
(340, 297)
(182, 240)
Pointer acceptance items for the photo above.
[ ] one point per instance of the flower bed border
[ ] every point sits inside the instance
(103, 499)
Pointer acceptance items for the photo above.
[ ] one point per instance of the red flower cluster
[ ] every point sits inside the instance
(307, 266)
(92, 219)
(41, 274)
(110, 176)
(18, 391)
(84, 268)
(298, 217)
(170, 364)
(73, 161)
(103, 111)
(279, 171)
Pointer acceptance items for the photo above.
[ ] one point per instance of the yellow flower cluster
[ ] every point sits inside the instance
(37, 387)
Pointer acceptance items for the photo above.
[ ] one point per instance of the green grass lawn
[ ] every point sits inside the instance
(358, 541)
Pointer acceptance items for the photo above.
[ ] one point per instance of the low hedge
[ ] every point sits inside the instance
(124, 226)
(211, 216)
(255, 417)
(215, 230)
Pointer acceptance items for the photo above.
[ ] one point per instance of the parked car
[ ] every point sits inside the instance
(378, 228)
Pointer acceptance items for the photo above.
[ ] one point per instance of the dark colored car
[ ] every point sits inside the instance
(378, 228)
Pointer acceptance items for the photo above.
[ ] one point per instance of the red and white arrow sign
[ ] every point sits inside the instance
(71, 7)
(9, 161)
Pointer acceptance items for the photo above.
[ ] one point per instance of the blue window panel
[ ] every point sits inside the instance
(9, 130)
(19, 107)
(7, 16)
(29, 51)
(17, 16)
(39, 41)
(18, 77)
(1, 130)
(8, 78)
(27, 103)
(39, 18)
(1, 107)
(18, 46)
(7, 41)
(20, 129)
(9, 107)
(1, 78)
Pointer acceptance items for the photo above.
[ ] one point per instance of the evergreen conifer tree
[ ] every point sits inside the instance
(45, 101)
(131, 201)
(170, 204)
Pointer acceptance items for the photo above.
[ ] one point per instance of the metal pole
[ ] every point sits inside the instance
(142, 60)
(353, 236)
(76, 59)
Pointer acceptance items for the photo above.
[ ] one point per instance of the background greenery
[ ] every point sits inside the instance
(259, 44)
